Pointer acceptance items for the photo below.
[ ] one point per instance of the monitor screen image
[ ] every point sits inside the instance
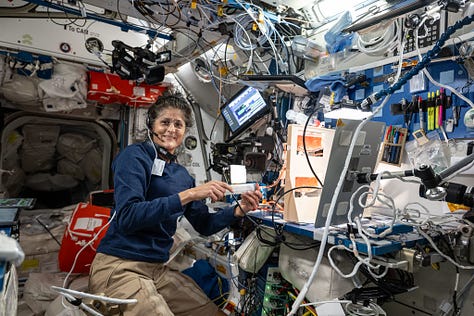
(242, 110)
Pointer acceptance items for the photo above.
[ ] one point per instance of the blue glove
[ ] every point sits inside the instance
(334, 82)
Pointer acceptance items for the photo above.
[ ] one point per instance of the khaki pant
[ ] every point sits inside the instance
(158, 289)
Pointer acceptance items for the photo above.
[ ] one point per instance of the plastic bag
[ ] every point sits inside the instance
(434, 153)
(21, 90)
(336, 40)
(66, 90)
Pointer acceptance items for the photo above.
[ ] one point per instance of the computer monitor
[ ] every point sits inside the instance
(363, 159)
(243, 110)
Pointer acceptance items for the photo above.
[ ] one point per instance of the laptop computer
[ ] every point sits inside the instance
(363, 159)
(288, 83)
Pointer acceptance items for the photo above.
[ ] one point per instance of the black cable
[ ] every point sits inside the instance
(175, 13)
(49, 231)
(279, 233)
(251, 301)
(236, 75)
(386, 287)
(412, 307)
(120, 14)
(453, 256)
(74, 20)
(213, 126)
(317, 108)
(258, 232)
(164, 12)
(195, 39)
(71, 20)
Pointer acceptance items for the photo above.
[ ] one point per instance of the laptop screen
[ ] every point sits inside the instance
(243, 110)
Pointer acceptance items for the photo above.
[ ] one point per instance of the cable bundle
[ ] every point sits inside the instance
(374, 44)
(247, 40)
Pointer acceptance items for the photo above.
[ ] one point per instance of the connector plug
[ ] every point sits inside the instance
(367, 103)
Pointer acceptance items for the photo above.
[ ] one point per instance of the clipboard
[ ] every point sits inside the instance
(25, 203)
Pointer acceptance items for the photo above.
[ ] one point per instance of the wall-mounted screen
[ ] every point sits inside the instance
(243, 110)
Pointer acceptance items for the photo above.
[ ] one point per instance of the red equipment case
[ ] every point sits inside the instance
(87, 226)
(109, 88)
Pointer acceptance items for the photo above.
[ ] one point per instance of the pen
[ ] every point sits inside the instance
(393, 154)
(442, 104)
(430, 113)
(408, 112)
(389, 132)
(399, 149)
(438, 105)
(445, 100)
(456, 113)
(420, 112)
(395, 137)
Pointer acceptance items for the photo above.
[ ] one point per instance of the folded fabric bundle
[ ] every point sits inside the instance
(335, 83)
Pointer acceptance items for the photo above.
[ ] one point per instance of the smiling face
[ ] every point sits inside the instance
(169, 128)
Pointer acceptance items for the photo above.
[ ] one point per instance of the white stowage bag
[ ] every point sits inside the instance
(66, 166)
(253, 254)
(74, 146)
(66, 90)
(37, 158)
(10, 158)
(10, 250)
(296, 267)
(92, 165)
(39, 147)
(13, 181)
(35, 134)
(21, 90)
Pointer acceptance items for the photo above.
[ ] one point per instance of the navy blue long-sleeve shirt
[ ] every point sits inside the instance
(147, 207)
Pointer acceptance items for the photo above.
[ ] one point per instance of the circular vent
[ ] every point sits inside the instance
(201, 70)
(469, 118)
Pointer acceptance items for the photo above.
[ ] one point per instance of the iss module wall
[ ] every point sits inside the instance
(354, 117)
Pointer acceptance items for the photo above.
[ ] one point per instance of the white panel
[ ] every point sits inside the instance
(204, 93)
(125, 8)
(43, 36)
(193, 159)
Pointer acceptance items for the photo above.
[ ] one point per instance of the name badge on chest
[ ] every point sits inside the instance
(158, 167)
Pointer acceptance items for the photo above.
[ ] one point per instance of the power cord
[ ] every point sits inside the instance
(315, 110)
